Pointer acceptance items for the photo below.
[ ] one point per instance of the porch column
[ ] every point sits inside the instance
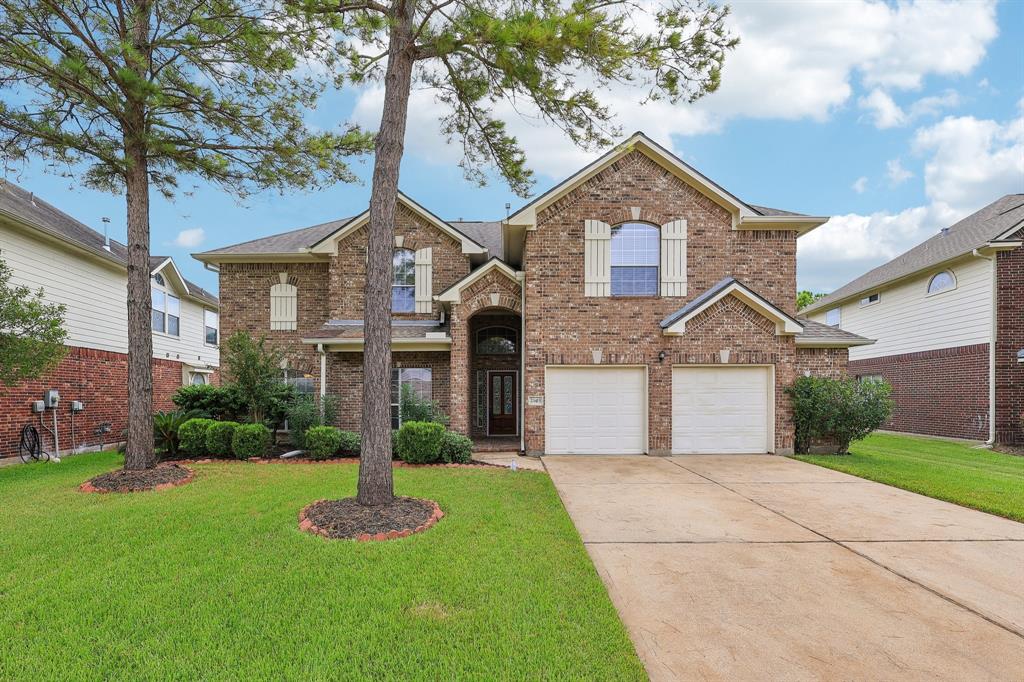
(459, 381)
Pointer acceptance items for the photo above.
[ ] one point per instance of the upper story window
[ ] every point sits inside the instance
(832, 317)
(943, 281)
(159, 279)
(166, 311)
(870, 299)
(496, 341)
(403, 286)
(635, 258)
(211, 326)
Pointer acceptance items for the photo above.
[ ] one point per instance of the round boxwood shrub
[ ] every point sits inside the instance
(351, 443)
(218, 438)
(250, 440)
(456, 448)
(192, 436)
(322, 441)
(420, 442)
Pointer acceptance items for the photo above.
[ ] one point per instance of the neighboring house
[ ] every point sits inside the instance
(636, 307)
(948, 316)
(78, 267)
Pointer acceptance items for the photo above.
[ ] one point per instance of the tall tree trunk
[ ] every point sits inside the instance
(375, 481)
(140, 452)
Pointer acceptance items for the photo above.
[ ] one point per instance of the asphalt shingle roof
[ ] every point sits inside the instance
(45, 217)
(973, 232)
(818, 330)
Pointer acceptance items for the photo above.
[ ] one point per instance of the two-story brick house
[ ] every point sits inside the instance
(636, 307)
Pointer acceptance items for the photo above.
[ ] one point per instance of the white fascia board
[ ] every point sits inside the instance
(1005, 236)
(801, 224)
(826, 342)
(453, 294)
(527, 216)
(289, 257)
(356, 344)
(783, 323)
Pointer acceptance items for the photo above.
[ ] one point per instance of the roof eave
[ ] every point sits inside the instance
(825, 342)
(287, 257)
(784, 323)
(800, 224)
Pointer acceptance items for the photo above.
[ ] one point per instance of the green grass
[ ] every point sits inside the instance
(213, 580)
(977, 478)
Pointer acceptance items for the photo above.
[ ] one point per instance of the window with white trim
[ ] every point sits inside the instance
(417, 379)
(166, 311)
(403, 284)
(211, 327)
(304, 384)
(635, 257)
(942, 281)
(871, 299)
(198, 379)
(832, 317)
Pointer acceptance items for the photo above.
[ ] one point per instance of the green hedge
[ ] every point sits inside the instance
(456, 448)
(250, 440)
(420, 442)
(192, 436)
(351, 443)
(218, 438)
(322, 441)
(837, 411)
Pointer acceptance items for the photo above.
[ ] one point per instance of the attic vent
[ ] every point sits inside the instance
(944, 232)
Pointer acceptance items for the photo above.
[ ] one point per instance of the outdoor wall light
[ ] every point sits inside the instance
(661, 356)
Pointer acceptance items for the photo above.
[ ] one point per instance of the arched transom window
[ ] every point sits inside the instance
(635, 258)
(403, 286)
(496, 341)
(942, 281)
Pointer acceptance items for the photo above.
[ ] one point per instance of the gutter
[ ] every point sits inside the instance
(991, 352)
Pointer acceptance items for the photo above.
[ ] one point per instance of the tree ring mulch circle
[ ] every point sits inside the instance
(346, 519)
(135, 481)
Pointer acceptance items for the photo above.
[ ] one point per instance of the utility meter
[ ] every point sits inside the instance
(51, 398)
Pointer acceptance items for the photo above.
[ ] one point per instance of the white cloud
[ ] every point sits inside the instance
(190, 238)
(896, 173)
(860, 185)
(883, 111)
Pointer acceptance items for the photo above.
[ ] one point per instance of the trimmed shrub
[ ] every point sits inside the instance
(413, 408)
(192, 436)
(211, 402)
(218, 438)
(837, 411)
(456, 448)
(351, 443)
(420, 442)
(304, 411)
(322, 441)
(250, 440)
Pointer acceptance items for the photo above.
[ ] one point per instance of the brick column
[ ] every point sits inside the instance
(459, 380)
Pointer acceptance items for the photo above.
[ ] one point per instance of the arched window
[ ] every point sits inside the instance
(403, 286)
(159, 279)
(943, 281)
(496, 341)
(635, 259)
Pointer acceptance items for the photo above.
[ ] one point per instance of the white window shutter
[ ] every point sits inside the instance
(284, 309)
(424, 280)
(597, 259)
(673, 258)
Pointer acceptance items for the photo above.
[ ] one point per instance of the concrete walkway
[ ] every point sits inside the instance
(760, 567)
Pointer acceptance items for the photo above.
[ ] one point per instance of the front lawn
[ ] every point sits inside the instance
(977, 478)
(214, 580)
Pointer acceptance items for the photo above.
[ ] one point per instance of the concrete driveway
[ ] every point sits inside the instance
(761, 567)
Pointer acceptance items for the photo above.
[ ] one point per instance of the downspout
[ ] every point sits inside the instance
(991, 353)
(522, 362)
(323, 376)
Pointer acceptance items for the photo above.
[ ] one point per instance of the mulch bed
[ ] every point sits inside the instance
(346, 519)
(125, 481)
(472, 464)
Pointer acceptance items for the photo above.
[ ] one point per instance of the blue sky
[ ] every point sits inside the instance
(894, 118)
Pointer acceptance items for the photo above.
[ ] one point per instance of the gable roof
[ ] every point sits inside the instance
(987, 227)
(745, 216)
(453, 294)
(676, 322)
(820, 335)
(293, 241)
(28, 210)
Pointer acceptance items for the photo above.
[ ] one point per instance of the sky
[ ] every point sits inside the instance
(896, 119)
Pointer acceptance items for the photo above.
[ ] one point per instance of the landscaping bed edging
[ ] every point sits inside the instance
(89, 487)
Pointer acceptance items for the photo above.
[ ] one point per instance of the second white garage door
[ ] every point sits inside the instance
(595, 410)
(720, 409)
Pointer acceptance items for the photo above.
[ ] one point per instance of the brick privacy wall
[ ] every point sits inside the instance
(345, 380)
(348, 266)
(1009, 340)
(627, 330)
(99, 379)
(245, 306)
(487, 362)
(940, 392)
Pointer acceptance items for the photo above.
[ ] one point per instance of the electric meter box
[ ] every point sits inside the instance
(38, 406)
(77, 406)
(51, 398)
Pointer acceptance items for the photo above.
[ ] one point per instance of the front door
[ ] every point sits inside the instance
(501, 403)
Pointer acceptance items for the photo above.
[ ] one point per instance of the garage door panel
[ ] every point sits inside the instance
(595, 410)
(720, 409)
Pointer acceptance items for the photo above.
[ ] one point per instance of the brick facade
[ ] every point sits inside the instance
(626, 329)
(97, 378)
(937, 392)
(1009, 340)
(831, 363)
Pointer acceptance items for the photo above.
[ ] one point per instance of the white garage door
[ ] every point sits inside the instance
(720, 409)
(595, 410)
